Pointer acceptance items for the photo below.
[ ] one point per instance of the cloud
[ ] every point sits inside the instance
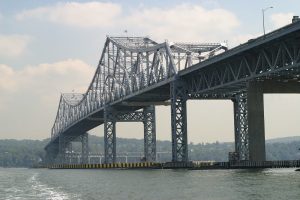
(13, 45)
(6, 78)
(281, 19)
(91, 14)
(47, 78)
(29, 97)
(183, 22)
(242, 38)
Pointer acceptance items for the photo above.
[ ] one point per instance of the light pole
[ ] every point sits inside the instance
(263, 15)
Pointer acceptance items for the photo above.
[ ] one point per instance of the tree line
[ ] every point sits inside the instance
(26, 153)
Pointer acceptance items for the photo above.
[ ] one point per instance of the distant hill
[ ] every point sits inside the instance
(25, 153)
(284, 139)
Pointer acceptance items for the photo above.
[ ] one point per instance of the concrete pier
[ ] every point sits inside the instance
(256, 122)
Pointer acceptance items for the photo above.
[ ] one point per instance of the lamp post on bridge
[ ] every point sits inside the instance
(263, 15)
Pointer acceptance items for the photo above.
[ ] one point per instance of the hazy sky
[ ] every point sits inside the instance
(50, 47)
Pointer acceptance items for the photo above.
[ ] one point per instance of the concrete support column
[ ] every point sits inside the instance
(149, 133)
(179, 121)
(109, 135)
(256, 124)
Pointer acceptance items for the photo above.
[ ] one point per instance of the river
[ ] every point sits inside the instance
(89, 184)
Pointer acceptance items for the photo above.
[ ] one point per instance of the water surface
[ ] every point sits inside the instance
(41, 184)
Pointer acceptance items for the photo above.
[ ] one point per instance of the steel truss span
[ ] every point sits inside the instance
(136, 73)
(128, 65)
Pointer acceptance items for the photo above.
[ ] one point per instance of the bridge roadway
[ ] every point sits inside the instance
(267, 64)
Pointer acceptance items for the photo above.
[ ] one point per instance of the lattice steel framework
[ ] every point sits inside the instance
(147, 116)
(149, 134)
(109, 135)
(241, 126)
(64, 146)
(137, 116)
(65, 151)
(179, 121)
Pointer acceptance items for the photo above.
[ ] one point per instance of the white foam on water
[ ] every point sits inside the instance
(43, 191)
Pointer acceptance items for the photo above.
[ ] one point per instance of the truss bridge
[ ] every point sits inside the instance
(135, 74)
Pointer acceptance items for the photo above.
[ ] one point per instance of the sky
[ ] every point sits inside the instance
(51, 47)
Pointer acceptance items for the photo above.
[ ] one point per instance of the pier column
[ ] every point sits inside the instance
(51, 153)
(241, 126)
(63, 145)
(256, 124)
(149, 133)
(69, 153)
(109, 135)
(84, 148)
(179, 121)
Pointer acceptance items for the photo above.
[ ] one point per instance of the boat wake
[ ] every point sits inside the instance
(43, 191)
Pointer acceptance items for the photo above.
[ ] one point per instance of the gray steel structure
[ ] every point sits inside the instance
(136, 72)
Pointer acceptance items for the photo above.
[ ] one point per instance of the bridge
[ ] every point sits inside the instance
(135, 74)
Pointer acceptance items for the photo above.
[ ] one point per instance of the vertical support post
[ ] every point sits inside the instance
(179, 121)
(255, 101)
(149, 133)
(109, 135)
(241, 126)
(51, 153)
(69, 155)
(62, 149)
(84, 148)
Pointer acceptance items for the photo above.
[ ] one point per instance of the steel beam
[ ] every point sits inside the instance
(109, 135)
(158, 103)
(137, 116)
(179, 121)
(149, 133)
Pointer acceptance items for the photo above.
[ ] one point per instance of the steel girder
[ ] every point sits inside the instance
(149, 133)
(281, 58)
(241, 126)
(137, 116)
(109, 135)
(179, 121)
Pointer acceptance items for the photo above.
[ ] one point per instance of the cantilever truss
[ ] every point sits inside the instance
(127, 65)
